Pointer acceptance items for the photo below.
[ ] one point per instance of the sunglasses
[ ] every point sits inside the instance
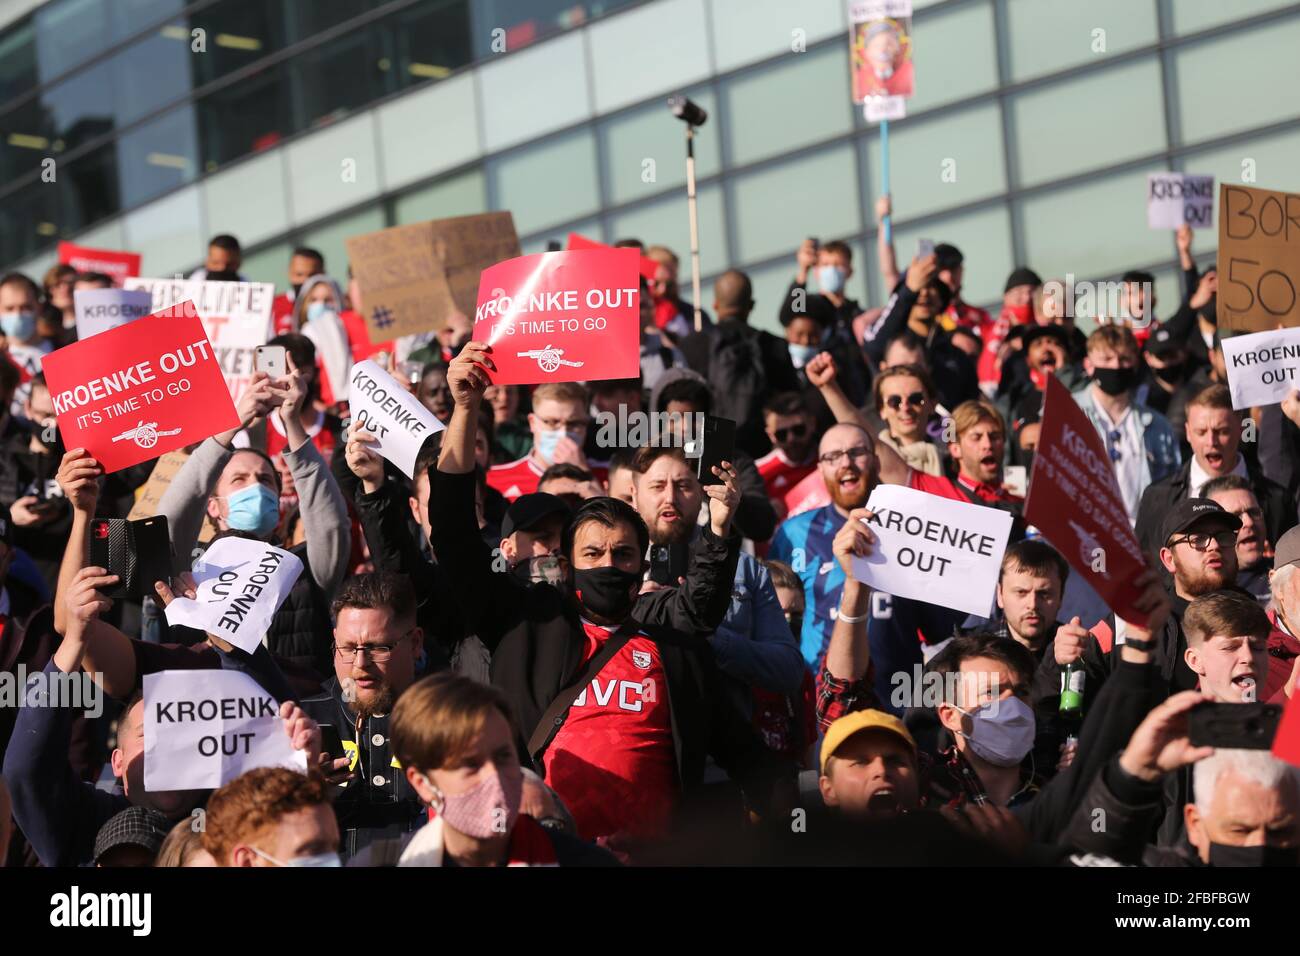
(915, 400)
(794, 431)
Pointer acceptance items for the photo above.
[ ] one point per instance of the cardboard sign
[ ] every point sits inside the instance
(466, 245)
(1074, 501)
(146, 500)
(1175, 199)
(393, 415)
(1263, 368)
(934, 549)
(239, 585)
(648, 267)
(203, 728)
(880, 49)
(99, 310)
(1259, 259)
(118, 265)
(403, 288)
(236, 317)
(562, 317)
(138, 391)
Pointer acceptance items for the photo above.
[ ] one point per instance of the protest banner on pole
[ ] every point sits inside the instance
(648, 267)
(880, 45)
(99, 310)
(138, 391)
(203, 728)
(1175, 199)
(117, 265)
(934, 549)
(1074, 501)
(1259, 259)
(236, 317)
(239, 585)
(466, 245)
(393, 415)
(1263, 368)
(562, 317)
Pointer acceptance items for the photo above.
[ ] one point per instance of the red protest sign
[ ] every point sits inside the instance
(648, 267)
(562, 317)
(119, 265)
(141, 390)
(1286, 742)
(1074, 501)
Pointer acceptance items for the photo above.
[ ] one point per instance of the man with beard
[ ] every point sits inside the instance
(1254, 564)
(617, 691)
(850, 469)
(1199, 540)
(378, 651)
(754, 646)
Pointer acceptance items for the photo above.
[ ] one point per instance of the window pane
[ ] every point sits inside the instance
(659, 48)
(813, 196)
(68, 33)
(463, 195)
(770, 284)
(984, 237)
(665, 223)
(428, 131)
(943, 162)
(237, 33)
(29, 221)
(540, 242)
(158, 156)
(1051, 123)
(306, 18)
(89, 188)
(244, 118)
(129, 17)
(798, 100)
(653, 133)
(333, 170)
(531, 93)
(1095, 229)
(1193, 15)
(527, 21)
(17, 61)
(745, 31)
(272, 265)
(333, 80)
(152, 72)
(1051, 35)
(1263, 88)
(249, 200)
(81, 108)
(547, 184)
(962, 36)
(168, 233)
(429, 41)
(27, 137)
(1272, 160)
(329, 239)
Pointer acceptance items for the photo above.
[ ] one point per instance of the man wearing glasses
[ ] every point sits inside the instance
(378, 653)
(558, 422)
(1234, 495)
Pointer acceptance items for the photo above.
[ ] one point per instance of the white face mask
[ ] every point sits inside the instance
(320, 859)
(1002, 731)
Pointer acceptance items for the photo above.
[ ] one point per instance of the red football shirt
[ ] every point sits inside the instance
(515, 478)
(780, 474)
(945, 487)
(612, 763)
(282, 313)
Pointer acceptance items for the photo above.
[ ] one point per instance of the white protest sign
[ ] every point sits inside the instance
(1177, 198)
(203, 728)
(934, 549)
(99, 310)
(240, 584)
(1263, 367)
(393, 415)
(236, 317)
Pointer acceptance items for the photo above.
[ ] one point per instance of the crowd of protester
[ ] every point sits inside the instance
(511, 685)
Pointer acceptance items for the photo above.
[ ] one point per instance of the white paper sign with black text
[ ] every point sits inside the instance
(203, 728)
(240, 584)
(1177, 198)
(1263, 367)
(934, 549)
(99, 310)
(396, 418)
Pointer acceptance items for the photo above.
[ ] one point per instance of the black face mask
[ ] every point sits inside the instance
(1221, 855)
(1173, 374)
(226, 275)
(1115, 381)
(607, 592)
(1210, 311)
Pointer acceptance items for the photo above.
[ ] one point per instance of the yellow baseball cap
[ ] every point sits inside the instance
(860, 720)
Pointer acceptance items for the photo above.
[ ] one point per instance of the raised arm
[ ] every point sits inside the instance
(821, 374)
(885, 255)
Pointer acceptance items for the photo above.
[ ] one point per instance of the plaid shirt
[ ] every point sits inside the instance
(837, 697)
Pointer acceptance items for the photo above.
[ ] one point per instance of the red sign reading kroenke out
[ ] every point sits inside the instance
(562, 317)
(141, 390)
(118, 265)
(1074, 501)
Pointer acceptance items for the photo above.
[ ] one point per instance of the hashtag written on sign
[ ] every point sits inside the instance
(382, 317)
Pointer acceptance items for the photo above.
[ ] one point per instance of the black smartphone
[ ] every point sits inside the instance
(152, 547)
(330, 742)
(668, 562)
(1236, 726)
(717, 444)
(110, 549)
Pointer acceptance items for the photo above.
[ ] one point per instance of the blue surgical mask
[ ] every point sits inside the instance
(316, 309)
(255, 508)
(830, 279)
(1002, 731)
(801, 355)
(320, 859)
(547, 441)
(18, 325)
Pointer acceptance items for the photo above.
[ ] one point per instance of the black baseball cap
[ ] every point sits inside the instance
(1022, 275)
(947, 256)
(134, 826)
(529, 510)
(1193, 512)
(1163, 342)
(1057, 332)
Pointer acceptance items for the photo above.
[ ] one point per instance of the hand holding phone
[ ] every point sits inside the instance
(924, 247)
(271, 360)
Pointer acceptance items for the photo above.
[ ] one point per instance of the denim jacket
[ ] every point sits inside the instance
(1163, 455)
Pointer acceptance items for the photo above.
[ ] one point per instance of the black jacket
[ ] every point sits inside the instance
(1160, 498)
(953, 371)
(1130, 807)
(537, 640)
(768, 353)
